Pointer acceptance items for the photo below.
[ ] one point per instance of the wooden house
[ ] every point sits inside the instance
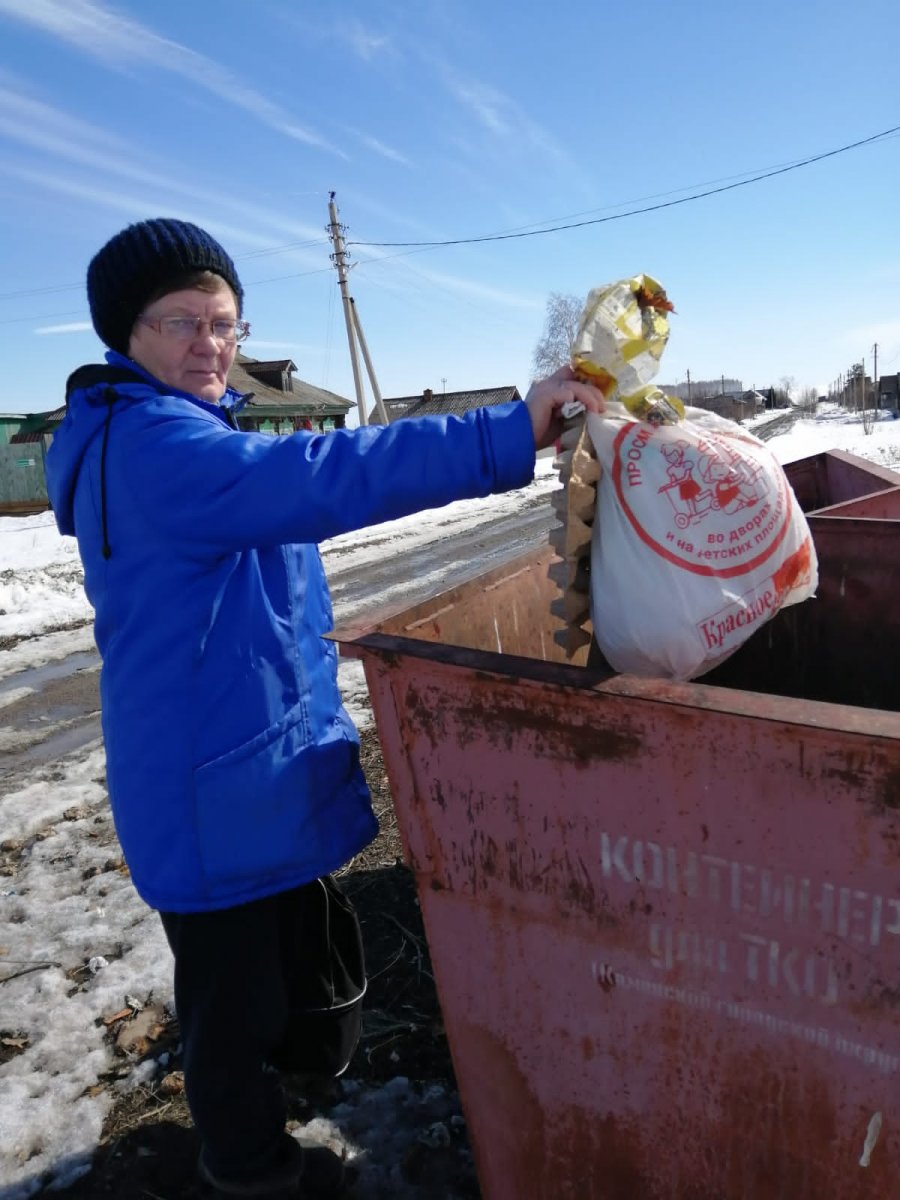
(281, 403)
(431, 403)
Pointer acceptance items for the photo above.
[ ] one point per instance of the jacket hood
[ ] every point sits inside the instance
(93, 394)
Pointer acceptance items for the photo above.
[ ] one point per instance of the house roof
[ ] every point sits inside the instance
(269, 364)
(38, 424)
(305, 399)
(456, 403)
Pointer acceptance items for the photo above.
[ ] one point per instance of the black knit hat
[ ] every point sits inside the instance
(141, 259)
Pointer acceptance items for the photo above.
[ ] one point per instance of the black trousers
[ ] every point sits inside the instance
(231, 998)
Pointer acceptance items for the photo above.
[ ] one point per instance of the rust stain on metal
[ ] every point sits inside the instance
(767, 1137)
(496, 1085)
(854, 776)
(890, 796)
(504, 716)
(437, 794)
(602, 1084)
(604, 1159)
(868, 772)
(481, 862)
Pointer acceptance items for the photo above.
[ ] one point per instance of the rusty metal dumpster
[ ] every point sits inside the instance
(664, 918)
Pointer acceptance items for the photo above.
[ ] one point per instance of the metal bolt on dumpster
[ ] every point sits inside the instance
(664, 918)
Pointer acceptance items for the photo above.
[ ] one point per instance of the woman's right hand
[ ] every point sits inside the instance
(547, 396)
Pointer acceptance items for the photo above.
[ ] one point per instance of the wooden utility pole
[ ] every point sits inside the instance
(376, 391)
(351, 319)
(689, 386)
(875, 375)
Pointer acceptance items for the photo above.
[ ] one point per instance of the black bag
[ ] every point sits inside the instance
(325, 975)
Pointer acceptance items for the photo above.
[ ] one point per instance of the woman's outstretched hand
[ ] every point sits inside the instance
(547, 396)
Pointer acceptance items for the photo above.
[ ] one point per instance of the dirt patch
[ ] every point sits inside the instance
(148, 1147)
(13, 639)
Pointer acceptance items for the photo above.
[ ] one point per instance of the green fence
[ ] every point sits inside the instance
(22, 482)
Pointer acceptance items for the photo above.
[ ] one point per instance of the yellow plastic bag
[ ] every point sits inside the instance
(620, 339)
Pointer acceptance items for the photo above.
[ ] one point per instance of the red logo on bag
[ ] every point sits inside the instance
(711, 504)
(737, 620)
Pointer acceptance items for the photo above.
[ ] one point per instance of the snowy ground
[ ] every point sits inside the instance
(71, 913)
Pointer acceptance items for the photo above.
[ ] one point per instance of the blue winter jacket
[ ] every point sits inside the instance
(232, 767)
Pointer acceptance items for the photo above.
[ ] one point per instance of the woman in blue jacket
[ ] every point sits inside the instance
(232, 767)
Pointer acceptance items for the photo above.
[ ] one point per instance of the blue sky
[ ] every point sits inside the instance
(454, 119)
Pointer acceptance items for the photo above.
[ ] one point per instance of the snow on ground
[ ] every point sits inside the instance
(72, 909)
(56, 921)
(834, 429)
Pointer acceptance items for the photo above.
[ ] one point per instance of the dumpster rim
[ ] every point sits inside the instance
(822, 715)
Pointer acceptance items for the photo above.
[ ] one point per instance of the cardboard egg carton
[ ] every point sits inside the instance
(575, 505)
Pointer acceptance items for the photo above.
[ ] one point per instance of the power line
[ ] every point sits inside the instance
(72, 312)
(728, 187)
(298, 275)
(65, 287)
(319, 241)
(519, 232)
(80, 312)
(68, 287)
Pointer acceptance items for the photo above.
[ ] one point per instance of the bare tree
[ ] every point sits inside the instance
(560, 325)
(788, 385)
(809, 399)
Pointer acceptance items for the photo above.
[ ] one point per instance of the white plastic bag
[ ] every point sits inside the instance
(698, 540)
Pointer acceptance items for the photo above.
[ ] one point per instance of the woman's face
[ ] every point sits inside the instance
(198, 365)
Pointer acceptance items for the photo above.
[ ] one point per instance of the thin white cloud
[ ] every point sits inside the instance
(502, 118)
(38, 126)
(405, 277)
(363, 204)
(366, 44)
(32, 123)
(135, 205)
(71, 327)
(352, 34)
(482, 291)
(379, 147)
(297, 348)
(486, 103)
(121, 43)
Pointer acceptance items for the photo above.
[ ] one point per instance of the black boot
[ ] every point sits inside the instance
(308, 1171)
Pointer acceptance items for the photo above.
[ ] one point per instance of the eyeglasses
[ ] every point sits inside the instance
(185, 329)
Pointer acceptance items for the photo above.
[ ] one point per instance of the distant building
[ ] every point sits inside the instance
(277, 402)
(20, 429)
(430, 403)
(700, 391)
(889, 391)
(736, 402)
(281, 403)
(24, 438)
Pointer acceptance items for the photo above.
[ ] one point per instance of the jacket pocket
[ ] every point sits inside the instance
(270, 809)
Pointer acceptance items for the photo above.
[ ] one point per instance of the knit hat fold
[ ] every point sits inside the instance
(141, 259)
